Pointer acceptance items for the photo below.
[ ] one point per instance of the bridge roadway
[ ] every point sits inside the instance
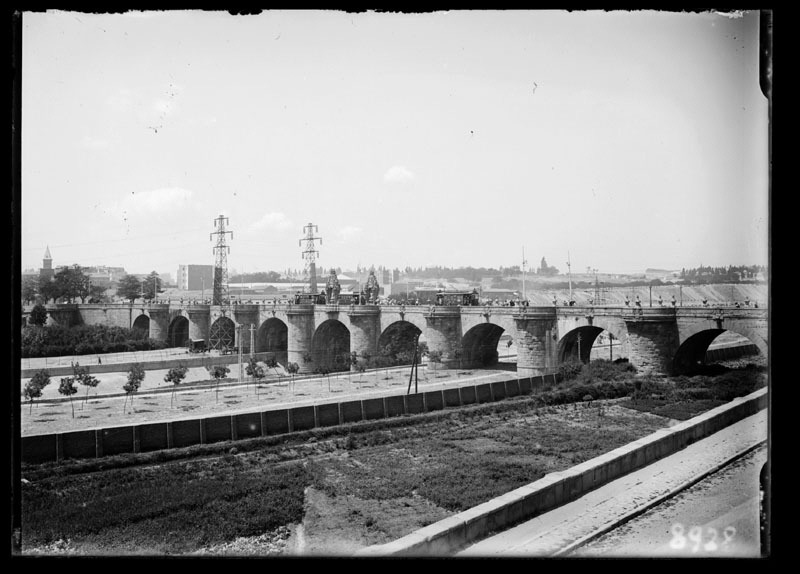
(658, 340)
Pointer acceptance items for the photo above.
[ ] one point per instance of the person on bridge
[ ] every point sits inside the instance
(660, 301)
(638, 301)
(673, 301)
(627, 301)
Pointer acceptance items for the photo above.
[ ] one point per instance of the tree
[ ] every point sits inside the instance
(175, 376)
(72, 283)
(151, 286)
(82, 376)
(130, 288)
(218, 372)
(255, 370)
(422, 351)
(136, 375)
(272, 364)
(458, 353)
(67, 388)
(48, 289)
(359, 366)
(293, 369)
(97, 294)
(325, 371)
(28, 289)
(38, 316)
(35, 386)
(31, 391)
(435, 357)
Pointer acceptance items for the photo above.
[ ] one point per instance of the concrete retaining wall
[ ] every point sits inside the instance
(558, 488)
(194, 431)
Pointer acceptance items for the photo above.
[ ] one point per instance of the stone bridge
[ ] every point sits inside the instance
(658, 340)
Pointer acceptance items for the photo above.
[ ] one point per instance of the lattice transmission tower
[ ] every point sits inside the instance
(310, 254)
(221, 251)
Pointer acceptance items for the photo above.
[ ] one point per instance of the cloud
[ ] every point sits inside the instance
(398, 174)
(157, 200)
(349, 233)
(273, 220)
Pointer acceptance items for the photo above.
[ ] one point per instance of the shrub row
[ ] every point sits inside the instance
(57, 340)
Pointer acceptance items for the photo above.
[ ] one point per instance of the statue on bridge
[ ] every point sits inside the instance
(372, 288)
(332, 288)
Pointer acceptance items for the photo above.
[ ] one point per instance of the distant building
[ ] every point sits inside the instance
(196, 277)
(47, 271)
(104, 276)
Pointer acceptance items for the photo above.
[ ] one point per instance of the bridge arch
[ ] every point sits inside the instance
(397, 341)
(178, 332)
(222, 334)
(577, 343)
(273, 337)
(479, 345)
(692, 351)
(142, 323)
(329, 346)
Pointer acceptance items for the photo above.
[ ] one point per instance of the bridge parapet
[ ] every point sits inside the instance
(653, 315)
(300, 309)
(434, 311)
(363, 310)
(727, 312)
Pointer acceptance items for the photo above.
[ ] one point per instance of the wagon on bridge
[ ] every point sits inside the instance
(197, 345)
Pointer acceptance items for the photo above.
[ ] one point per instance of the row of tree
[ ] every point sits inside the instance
(70, 284)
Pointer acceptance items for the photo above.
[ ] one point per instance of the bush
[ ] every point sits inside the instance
(735, 384)
(570, 369)
(56, 340)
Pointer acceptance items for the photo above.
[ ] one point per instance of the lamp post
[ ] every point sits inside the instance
(524, 263)
(569, 275)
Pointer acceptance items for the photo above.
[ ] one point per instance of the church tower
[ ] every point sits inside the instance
(47, 265)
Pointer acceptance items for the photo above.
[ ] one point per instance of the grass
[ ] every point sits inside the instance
(180, 500)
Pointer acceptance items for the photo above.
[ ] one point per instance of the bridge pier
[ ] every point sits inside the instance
(365, 329)
(653, 341)
(159, 323)
(198, 323)
(536, 337)
(300, 335)
(246, 316)
(444, 333)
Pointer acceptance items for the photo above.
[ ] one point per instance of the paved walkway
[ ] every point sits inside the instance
(572, 524)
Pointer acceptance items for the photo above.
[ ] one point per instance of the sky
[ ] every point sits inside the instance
(617, 140)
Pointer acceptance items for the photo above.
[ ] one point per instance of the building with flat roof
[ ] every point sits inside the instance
(195, 277)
